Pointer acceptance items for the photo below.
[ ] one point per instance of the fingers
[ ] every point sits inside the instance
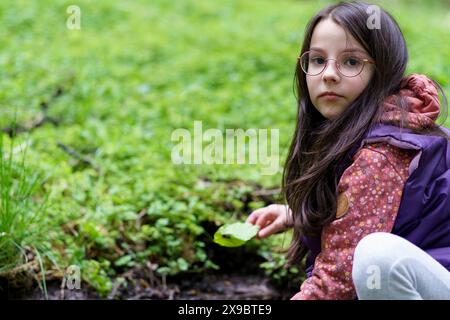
(252, 218)
(269, 230)
(268, 219)
(255, 215)
(265, 218)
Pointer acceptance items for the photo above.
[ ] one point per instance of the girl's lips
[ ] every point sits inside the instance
(330, 97)
(329, 93)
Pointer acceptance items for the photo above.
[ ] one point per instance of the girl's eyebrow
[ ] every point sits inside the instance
(346, 50)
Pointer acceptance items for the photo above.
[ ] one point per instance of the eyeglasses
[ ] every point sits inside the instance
(348, 64)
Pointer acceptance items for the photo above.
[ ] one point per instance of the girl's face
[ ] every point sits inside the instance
(330, 40)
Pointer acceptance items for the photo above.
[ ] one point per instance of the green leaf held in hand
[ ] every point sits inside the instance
(235, 235)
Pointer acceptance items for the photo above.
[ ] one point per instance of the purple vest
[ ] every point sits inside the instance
(423, 217)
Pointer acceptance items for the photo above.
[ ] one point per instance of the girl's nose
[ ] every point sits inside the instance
(331, 72)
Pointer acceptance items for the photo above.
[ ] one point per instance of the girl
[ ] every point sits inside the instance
(367, 178)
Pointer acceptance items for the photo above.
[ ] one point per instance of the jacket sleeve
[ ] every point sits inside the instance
(370, 192)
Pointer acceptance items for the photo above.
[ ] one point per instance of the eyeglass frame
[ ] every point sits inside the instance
(364, 60)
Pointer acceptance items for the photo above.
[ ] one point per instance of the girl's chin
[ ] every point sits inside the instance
(331, 110)
(331, 114)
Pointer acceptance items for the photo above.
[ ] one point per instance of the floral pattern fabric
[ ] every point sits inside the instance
(370, 192)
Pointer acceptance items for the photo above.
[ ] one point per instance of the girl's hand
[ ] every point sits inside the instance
(272, 219)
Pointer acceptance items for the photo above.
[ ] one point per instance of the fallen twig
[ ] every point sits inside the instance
(41, 118)
(75, 154)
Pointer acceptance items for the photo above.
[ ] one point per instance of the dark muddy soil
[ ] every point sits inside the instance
(206, 287)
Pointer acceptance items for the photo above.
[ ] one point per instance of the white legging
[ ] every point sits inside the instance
(386, 266)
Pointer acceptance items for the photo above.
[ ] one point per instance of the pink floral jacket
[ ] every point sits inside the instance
(370, 192)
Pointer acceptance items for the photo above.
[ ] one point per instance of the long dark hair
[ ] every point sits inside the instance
(311, 172)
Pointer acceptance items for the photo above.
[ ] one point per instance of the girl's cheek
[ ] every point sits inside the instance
(310, 87)
(311, 84)
(358, 86)
(366, 77)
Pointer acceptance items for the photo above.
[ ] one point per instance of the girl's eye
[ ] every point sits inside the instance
(317, 60)
(352, 62)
